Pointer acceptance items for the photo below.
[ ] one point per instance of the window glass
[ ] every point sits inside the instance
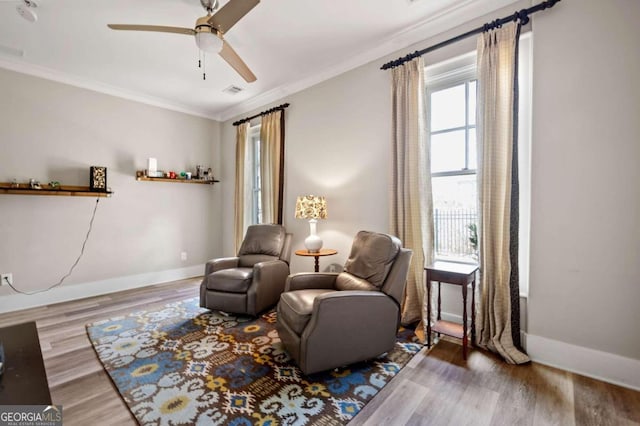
(455, 216)
(472, 103)
(453, 167)
(448, 108)
(448, 151)
(256, 183)
(473, 149)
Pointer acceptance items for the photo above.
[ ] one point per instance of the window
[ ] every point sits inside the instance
(254, 149)
(451, 100)
(451, 107)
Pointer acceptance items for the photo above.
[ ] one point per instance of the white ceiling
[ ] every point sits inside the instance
(288, 44)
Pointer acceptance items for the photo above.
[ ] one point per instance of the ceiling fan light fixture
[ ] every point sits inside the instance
(208, 41)
(27, 10)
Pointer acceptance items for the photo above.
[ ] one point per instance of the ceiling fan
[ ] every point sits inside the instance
(209, 31)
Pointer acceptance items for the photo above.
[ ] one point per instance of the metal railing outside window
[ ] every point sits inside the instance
(455, 233)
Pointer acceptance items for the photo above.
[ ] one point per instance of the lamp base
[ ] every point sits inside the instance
(313, 244)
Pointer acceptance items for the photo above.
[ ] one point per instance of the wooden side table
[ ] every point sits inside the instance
(322, 252)
(457, 274)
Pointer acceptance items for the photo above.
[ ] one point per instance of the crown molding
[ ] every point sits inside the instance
(96, 86)
(446, 19)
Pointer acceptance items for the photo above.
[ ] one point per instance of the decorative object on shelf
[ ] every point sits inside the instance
(312, 207)
(54, 184)
(34, 184)
(15, 184)
(199, 172)
(141, 176)
(152, 166)
(98, 179)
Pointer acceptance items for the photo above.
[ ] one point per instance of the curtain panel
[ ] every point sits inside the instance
(498, 311)
(272, 166)
(411, 201)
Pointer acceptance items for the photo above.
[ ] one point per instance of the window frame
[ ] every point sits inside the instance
(442, 76)
(438, 80)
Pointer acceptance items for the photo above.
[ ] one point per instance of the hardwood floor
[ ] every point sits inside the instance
(436, 388)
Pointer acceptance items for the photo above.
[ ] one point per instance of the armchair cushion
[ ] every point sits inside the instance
(249, 260)
(234, 280)
(372, 255)
(295, 307)
(263, 239)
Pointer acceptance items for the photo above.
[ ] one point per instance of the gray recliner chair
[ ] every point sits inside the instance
(327, 320)
(252, 281)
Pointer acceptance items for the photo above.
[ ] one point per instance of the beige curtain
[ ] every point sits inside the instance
(271, 151)
(497, 65)
(411, 200)
(243, 182)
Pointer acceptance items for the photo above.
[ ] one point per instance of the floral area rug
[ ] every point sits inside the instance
(184, 365)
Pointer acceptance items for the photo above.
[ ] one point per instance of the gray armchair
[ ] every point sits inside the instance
(252, 281)
(327, 320)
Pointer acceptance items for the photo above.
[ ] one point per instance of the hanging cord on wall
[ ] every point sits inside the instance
(84, 243)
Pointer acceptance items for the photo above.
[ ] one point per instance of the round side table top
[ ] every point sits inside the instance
(322, 252)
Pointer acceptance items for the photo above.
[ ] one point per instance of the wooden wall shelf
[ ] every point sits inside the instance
(177, 180)
(64, 190)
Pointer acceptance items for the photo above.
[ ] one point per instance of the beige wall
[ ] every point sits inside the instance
(52, 131)
(585, 205)
(585, 233)
(329, 152)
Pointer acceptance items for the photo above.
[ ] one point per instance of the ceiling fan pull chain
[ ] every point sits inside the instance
(204, 67)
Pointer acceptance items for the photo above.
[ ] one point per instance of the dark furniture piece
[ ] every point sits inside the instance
(457, 274)
(322, 252)
(252, 281)
(24, 381)
(327, 320)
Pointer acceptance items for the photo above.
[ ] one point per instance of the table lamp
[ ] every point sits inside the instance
(311, 207)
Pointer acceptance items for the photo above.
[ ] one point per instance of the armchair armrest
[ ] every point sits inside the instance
(268, 283)
(348, 326)
(360, 303)
(219, 264)
(308, 280)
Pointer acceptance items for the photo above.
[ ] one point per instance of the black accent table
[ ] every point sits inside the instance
(24, 381)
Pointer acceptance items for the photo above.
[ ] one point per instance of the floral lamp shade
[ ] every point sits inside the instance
(311, 207)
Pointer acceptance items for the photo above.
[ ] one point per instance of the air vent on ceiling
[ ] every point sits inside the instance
(232, 90)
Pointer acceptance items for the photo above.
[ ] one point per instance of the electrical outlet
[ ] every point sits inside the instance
(183, 256)
(6, 279)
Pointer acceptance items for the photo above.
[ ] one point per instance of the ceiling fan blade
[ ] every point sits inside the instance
(157, 28)
(232, 58)
(231, 13)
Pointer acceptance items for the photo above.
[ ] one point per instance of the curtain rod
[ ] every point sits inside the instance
(244, 120)
(522, 15)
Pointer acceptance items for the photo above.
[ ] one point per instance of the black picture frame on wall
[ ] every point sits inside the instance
(98, 179)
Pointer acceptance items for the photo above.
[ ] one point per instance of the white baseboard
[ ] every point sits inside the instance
(15, 302)
(451, 317)
(588, 362)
